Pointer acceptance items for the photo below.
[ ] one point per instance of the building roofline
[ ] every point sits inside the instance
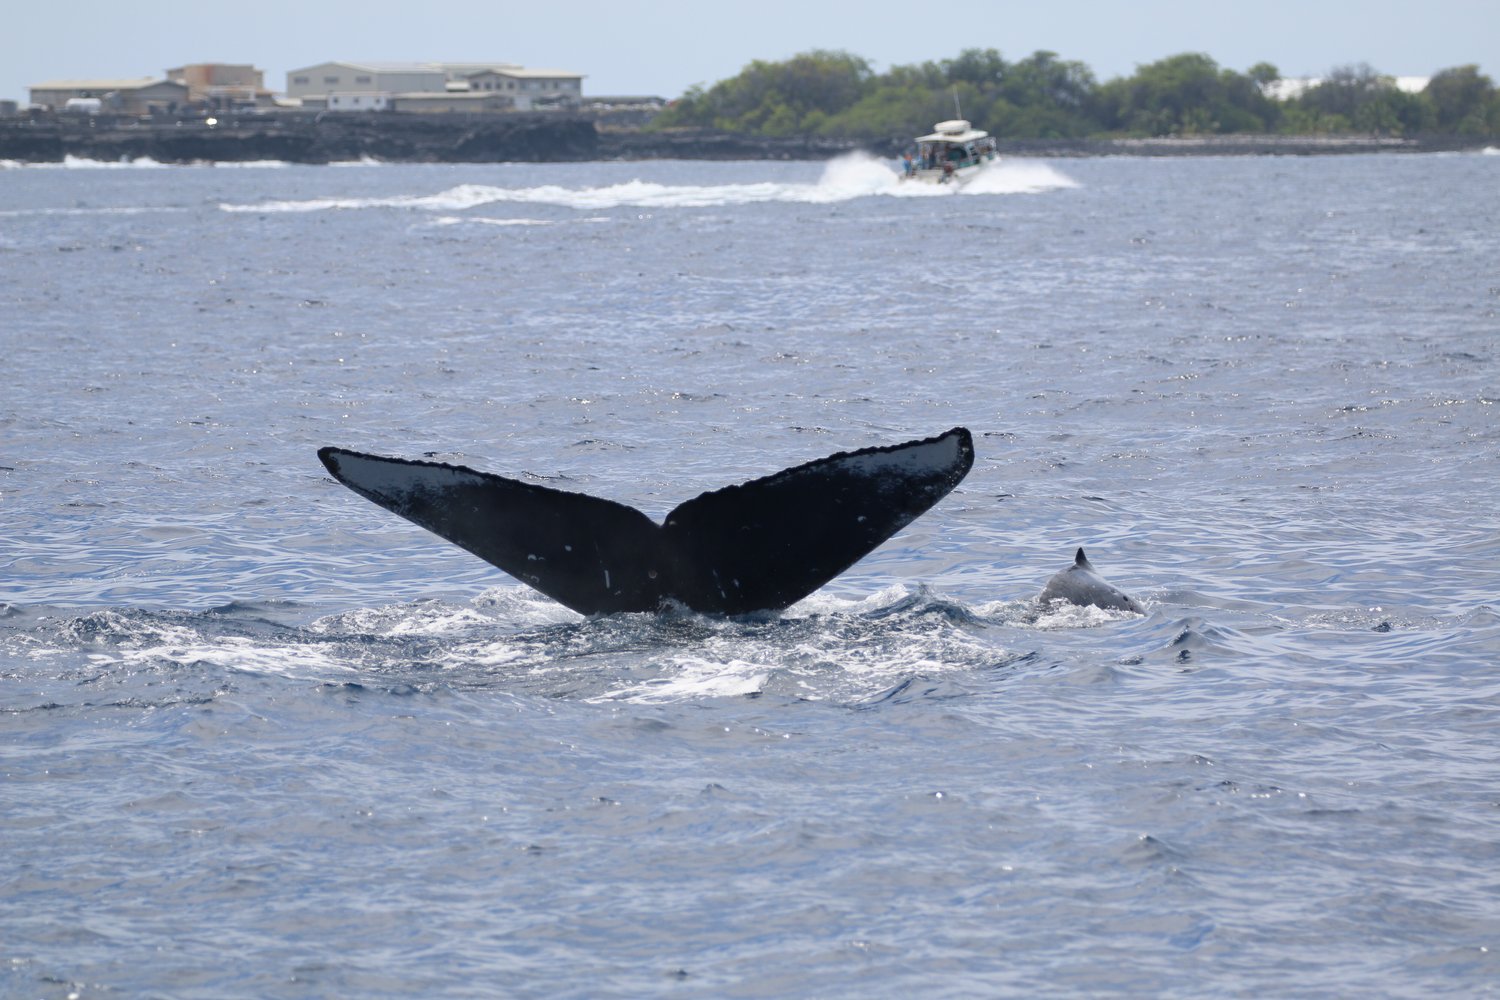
(526, 71)
(376, 67)
(139, 83)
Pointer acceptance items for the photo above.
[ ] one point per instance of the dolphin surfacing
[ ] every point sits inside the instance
(1080, 584)
(758, 546)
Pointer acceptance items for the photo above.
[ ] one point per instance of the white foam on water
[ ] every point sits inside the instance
(244, 164)
(237, 653)
(1060, 615)
(1018, 177)
(106, 210)
(71, 162)
(485, 220)
(524, 606)
(693, 679)
(824, 648)
(843, 179)
(459, 220)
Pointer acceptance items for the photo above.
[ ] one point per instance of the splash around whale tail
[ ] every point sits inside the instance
(758, 546)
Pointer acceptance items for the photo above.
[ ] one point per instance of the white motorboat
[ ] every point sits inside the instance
(953, 153)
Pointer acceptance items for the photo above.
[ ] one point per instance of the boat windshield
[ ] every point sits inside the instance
(939, 155)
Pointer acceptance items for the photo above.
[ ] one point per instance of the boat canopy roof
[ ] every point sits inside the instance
(957, 130)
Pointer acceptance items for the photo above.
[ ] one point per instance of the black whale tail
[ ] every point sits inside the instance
(762, 545)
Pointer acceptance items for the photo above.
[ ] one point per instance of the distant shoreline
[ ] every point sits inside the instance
(559, 137)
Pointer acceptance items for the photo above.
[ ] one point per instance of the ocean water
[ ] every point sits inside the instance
(260, 738)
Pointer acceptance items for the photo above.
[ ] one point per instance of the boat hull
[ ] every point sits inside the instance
(957, 177)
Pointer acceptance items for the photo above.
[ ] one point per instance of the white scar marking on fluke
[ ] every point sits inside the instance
(391, 479)
(936, 454)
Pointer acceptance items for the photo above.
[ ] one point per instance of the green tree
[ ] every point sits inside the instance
(1264, 74)
(981, 67)
(837, 94)
(1460, 98)
(1344, 90)
(890, 112)
(1357, 98)
(1046, 97)
(1185, 94)
(775, 98)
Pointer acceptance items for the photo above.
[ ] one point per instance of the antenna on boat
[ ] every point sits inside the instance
(958, 112)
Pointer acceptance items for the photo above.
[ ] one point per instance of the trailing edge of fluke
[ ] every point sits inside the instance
(758, 546)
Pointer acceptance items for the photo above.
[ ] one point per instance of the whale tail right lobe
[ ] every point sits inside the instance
(769, 543)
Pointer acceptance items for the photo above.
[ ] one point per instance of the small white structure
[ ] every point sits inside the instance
(1293, 87)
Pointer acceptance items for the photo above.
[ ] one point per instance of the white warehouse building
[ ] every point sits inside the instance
(381, 84)
(530, 88)
(364, 78)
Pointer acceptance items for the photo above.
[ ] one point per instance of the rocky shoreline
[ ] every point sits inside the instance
(555, 137)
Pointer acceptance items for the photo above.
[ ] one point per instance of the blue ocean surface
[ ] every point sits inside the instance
(260, 738)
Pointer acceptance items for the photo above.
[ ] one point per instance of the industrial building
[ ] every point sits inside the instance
(407, 86)
(142, 96)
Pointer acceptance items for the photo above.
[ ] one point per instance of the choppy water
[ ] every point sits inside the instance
(260, 738)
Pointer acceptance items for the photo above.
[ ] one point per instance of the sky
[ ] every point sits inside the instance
(663, 47)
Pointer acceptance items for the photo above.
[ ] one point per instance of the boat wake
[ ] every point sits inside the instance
(844, 179)
(1018, 177)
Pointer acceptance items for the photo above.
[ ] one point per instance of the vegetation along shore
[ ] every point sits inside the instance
(820, 104)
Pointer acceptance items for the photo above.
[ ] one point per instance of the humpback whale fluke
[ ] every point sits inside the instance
(758, 546)
(1080, 584)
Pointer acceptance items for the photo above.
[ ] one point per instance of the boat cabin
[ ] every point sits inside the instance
(952, 146)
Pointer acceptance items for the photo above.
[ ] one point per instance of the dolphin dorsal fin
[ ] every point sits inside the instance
(1081, 559)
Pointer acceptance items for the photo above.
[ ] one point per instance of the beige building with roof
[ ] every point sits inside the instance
(223, 84)
(140, 96)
